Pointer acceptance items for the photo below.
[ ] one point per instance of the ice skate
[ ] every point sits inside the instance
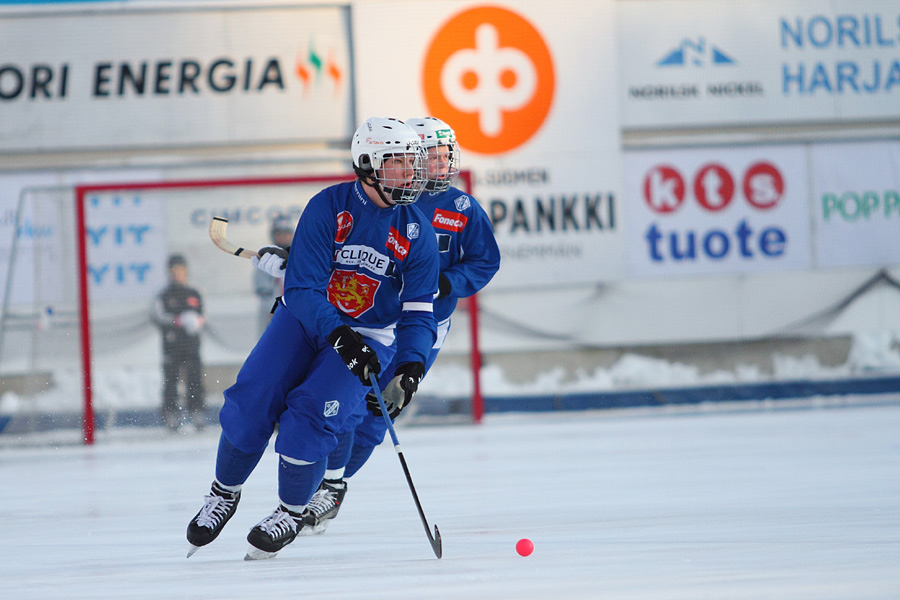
(198, 420)
(219, 506)
(323, 506)
(273, 533)
(172, 421)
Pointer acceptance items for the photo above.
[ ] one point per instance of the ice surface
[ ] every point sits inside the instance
(732, 502)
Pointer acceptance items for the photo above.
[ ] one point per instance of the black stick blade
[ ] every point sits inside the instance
(436, 543)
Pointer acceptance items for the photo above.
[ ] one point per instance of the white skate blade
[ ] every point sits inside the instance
(192, 549)
(321, 527)
(254, 553)
(318, 529)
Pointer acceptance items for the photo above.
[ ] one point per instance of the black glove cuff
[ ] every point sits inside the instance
(277, 250)
(416, 369)
(444, 286)
(346, 334)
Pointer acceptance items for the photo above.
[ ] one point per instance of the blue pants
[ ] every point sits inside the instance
(295, 379)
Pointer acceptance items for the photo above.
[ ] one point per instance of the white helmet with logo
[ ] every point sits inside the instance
(442, 166)
(390, 156)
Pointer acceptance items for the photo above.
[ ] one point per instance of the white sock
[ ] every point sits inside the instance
(229, 488)
(334, 474)
(294, 508)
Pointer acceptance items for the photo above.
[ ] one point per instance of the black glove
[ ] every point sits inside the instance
(356, 354)
(399, 391)
(443, 287)
(276, 250)
(271, 260)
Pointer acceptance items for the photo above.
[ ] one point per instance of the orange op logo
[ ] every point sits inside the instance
(351, 292)
(489, 74)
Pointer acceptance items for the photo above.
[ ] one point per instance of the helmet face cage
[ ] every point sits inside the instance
(442, 166)
(443, 152)
(389, 155)
(401, 174)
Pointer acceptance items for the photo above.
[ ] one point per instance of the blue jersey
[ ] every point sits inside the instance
(468, 252)
(354, 263)
(469, 258)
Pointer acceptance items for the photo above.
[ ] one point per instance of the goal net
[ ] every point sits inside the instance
(77, 342)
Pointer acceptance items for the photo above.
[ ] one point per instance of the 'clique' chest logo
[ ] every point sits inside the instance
(488, 72)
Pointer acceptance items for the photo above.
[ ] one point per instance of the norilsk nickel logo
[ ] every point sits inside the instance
(696, 53)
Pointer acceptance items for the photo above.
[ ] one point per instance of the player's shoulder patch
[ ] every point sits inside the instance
(344, 223)
(412, 230)
(462, 202)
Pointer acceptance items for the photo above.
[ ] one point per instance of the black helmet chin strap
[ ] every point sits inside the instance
(380, 191)
(368, 177)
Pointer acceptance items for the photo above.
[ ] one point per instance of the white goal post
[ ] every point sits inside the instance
(123, 235)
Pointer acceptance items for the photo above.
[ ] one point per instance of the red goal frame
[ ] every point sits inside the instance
(81, 193)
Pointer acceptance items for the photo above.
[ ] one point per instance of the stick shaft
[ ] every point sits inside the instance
(435, 539)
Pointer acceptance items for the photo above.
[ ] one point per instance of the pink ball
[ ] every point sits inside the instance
(524, 547)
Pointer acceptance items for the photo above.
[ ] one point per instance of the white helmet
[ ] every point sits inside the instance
(436, 133)
(380, 139)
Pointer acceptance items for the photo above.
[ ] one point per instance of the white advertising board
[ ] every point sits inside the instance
(126, 246)
(706, 211)
(701, 62)
(178, 78)
(856, 195)
(529, 88)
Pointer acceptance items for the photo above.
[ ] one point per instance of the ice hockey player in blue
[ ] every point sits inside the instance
(469, 259)
(359, 284)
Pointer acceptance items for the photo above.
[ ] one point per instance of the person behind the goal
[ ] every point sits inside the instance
(178, 312)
